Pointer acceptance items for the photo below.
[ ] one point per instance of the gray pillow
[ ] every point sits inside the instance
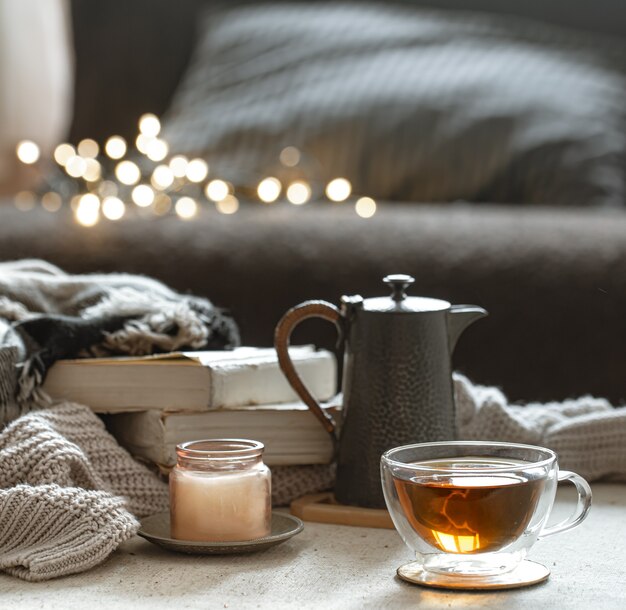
(408, 103)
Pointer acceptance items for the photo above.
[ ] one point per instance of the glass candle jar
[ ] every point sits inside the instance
(220, 491)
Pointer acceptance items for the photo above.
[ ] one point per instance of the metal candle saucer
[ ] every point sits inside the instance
(156, 529)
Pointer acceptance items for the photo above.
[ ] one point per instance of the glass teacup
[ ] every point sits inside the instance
(473, 508)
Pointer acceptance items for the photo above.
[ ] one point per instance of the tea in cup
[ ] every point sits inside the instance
(473, 508)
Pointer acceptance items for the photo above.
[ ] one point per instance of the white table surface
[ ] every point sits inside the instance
(331, 566)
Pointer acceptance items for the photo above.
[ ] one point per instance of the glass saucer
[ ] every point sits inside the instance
(525, 574)
(156, 529)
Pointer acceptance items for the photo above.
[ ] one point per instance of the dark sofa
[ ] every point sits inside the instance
(553, 279)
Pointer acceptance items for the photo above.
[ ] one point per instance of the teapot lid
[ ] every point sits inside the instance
(399, 302)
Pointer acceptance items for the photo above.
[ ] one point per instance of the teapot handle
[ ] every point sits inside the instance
(282, 335)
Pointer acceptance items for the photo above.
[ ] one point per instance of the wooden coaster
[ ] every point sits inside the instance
(323, 508)
(525, 574)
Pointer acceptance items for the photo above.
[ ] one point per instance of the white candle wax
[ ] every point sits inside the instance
(220, 506)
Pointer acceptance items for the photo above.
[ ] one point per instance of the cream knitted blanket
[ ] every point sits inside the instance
(68, 493)
(588, 434)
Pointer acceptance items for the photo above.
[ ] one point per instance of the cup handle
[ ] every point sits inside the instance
(582, 508)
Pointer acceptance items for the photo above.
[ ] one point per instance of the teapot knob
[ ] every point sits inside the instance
(399, 283)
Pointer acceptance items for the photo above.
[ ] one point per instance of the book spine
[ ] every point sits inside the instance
(264, 383)
(143, 435)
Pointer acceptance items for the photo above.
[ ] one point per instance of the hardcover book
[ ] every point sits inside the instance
(290, 432)
(190, 381)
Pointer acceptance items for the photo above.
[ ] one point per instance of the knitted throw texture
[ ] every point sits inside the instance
(69, 493)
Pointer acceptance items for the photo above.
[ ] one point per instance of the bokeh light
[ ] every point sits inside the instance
(156, 150)
(178, 165)
(162, 177)
(338, 189)
(88, 210)
(365, 207)
(63, 153)
(27, 152)
(269, 189)
(228, 205)
(298, 192)
(115, 147)
(162, 204)
(186, 208)
(88, 148)
(113, 208)
(149, 125)
(93, 170)
(290, 156)
(216, 190)
(24, 201)
(142, 195)
(51, 201)
(142, 141)
(75, 166)
(127, 172)
(197, 170)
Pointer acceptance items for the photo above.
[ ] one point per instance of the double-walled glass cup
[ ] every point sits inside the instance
(473, 508)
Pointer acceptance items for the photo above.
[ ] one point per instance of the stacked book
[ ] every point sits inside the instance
(153, 403)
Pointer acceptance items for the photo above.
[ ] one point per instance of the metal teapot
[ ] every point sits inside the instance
(397, 378)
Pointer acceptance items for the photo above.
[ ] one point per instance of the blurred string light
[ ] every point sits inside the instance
(186, 208)
(51, 202)
(63, 153)
(127, 172)
(162, 177)
(178, 165)
(113, 208)
(290, 156)
(115, 147)
(197, 170)
(141, 143)
(298, 192)
(157, 150)
(162, 204)
(216, 190)
(365, 207)
(25, 200)
(228, 205)
(269, 189)
(75, 166)
(107, 180)
(88, 148)
(27, 152)
(92, 171)
(88, 210)
(338, 189)
(149, 125)
(142, 195)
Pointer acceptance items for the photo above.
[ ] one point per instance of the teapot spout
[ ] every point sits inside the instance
(459, 318)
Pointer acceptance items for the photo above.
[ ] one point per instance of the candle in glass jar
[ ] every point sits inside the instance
(220, 491)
